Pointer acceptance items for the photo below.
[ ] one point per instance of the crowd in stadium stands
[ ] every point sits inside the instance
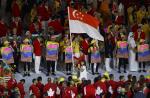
(35, 34)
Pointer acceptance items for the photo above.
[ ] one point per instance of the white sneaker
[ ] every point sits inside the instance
(38, 72)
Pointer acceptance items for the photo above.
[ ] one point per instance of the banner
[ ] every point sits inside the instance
(143, 53)
(52, 51)
(122, 51)
(68, 55)
(26, 53)
(7, 55)
(95, 56)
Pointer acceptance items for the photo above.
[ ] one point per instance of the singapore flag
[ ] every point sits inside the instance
(80, 22)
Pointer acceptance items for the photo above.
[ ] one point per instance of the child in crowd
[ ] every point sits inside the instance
(122, 53)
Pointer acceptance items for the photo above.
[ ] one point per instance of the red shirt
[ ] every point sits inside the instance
(114, 86)
(102, 85)
(121, 83)
(44, 13)
(2, 90)
(3, 30)
(129, 94)
(69, 92)
(18, 27)
(37, 47)
(91, 12)
(15, 10)
(51, 86)
(141, 36)
(90, 91)
(85, 46)
(119, 20)
(21, 89)
(56, 25)
(35, 90)
(40, 86)
(32, 28)
(134, 27)
(11, 83)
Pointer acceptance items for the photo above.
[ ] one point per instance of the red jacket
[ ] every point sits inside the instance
(18, 27)
(90, 91)
(3, 30)
(51, 86)
(32, 27)
(129, 94)
(121, 83)
(37, 47)
(2, 90)
(21, 89)
(119, 20)
(91, 12)
(40, 86)
(114, 86)
(35, 90)
(56, 25)
(70, 92)
(15, 9)
(44, 13)
(134, 27)
(85, 46)
(136, 34)
(12, 83)
(102, 85)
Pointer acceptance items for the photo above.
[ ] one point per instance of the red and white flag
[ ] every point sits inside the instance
(80, 22)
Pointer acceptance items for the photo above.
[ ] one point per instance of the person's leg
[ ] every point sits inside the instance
(25, 68)
(124, 62)
(16, 62)
(28, 67)
(48, 68)
(97, 66)
(53, 67)
(70, 65)
(92, 68)
(107, 64)
(120, 63)
(89, 59)
(140, 64)
(67, 69)
(37, 63)
(86, 60)
(144, 63)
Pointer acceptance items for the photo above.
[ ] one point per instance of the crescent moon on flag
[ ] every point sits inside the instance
(74, 12)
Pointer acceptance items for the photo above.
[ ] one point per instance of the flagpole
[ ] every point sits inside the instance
(73, 68)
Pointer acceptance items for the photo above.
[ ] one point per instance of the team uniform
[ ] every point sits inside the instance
(51, 55)
(20, 86)
(34, 90)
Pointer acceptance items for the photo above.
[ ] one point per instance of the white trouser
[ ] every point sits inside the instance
(56, 62)
(107, 64)
(37, 63)
(86, 60)
(83, 73)
(115, 62)
(133, 64)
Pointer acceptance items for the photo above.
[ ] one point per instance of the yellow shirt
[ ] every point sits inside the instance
(33, 14)
(130, 10)
(76, 47)
(105, 7)
(146, 29)
(140, 15)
